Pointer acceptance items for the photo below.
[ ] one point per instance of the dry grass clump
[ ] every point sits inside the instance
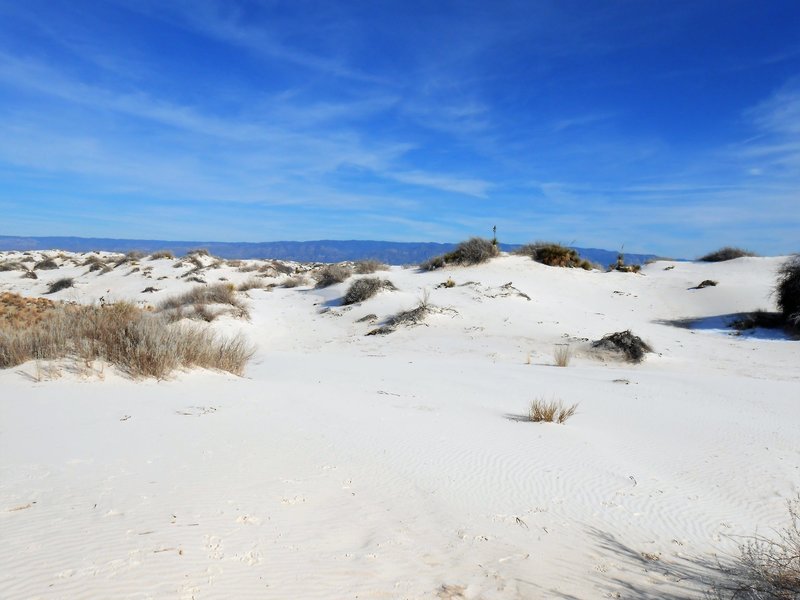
(470, 252)
(553, 411)
(768, 568)
(30, 275)
(139, 343)
(197, 300)
(332, 274)
(19, 311)
(132, 256)
(60, 284)
(363, 289)
(554, 255)
(367, 267)
(562, 355)
(726, 253)
(630, 346)
(296, 281)
(788, 290)
(251, 283)
(162, 254)
(12, 266)
(198, 252)
(46, 264)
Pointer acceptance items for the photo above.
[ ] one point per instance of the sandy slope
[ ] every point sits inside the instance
(353, 466)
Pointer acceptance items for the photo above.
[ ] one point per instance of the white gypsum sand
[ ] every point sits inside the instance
(400, 466)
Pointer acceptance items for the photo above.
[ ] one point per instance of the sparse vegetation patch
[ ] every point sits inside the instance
(767, 568)
(195, 303)
(159, 254)
(141, 344)
(367, 267)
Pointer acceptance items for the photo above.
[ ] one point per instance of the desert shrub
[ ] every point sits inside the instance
(220, 293)
(132, 256)
(553, 255)
(367, 267)
(30, 275)
(332, 274)
(437, 262)
(279, 267)
(199, 297)
(630, 346)
(198, 252)
(767, 568)
(162, 254)
(726, 253)
(12, 266)
(705, 283)
(293, 282)
(562, 355)
(252, 283)
(788, 288)
(363, 289)
(139, 343)
(553, 411)
(470, 252)
(60, 284)
(20, 311)
(46, 264)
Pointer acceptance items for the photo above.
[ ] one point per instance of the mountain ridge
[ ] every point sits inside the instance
(396, 253)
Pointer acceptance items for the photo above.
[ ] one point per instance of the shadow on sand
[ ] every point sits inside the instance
(759, 325)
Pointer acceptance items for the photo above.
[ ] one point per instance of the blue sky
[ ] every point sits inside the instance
(670, 127)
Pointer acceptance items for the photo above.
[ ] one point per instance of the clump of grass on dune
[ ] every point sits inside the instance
(365, 288)
(554, 255)
(195, 303)
(140, 343)
(473, 251)
(159, 254)
(332, 274)
(553, 411)
(129, 257)
(60, 284)
(367, 267)
(726, 253)
(46, 264)
(251, 283)
(12, 266)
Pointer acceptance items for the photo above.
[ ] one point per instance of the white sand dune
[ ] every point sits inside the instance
(393, 466)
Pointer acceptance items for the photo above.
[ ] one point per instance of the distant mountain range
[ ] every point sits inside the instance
(394, 253)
